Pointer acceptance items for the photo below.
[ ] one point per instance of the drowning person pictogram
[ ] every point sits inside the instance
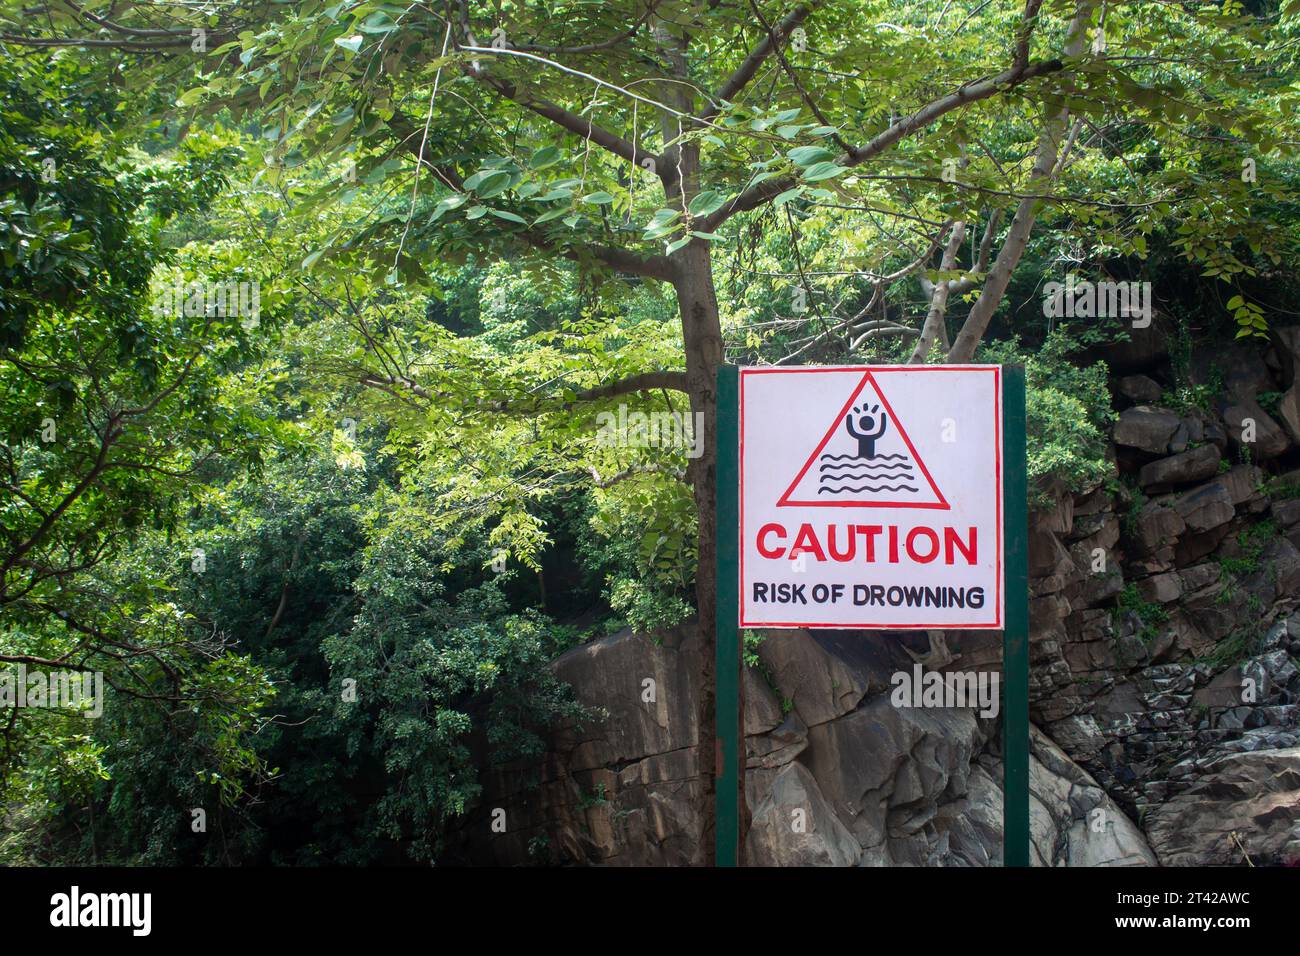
(865, 460)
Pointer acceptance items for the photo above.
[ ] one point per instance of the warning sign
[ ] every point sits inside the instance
(871, 497)
(865, 460)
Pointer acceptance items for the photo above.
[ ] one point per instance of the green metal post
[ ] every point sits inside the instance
(1015, 639)
(727, 673)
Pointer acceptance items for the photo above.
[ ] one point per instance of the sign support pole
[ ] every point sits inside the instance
(728, 716)
(1015, 639)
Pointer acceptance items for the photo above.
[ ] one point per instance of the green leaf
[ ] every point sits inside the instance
(706, 202)
(600, 198)
(446, 205)
(378, 22)
(1235, 302)
(661, 223)
(785, 197)
(545, 157)
(494, 184)
(352, 43)
(508, 216)
(809, 155)
(819, 171)
(674, 246)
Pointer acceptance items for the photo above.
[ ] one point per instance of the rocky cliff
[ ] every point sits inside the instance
(1164, 686)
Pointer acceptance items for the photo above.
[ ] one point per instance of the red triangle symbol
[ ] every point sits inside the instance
(865, 460)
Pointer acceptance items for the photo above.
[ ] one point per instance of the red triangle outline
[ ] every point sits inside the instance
(942, 504)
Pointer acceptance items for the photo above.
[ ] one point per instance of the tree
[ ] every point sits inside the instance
(112, 408)
(638, 138)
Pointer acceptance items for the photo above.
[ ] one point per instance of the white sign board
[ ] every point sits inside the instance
(871, 497)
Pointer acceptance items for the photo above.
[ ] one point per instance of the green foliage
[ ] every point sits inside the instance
(1282, 488)
(1148, 616)
(1068, 413)
(1189, 396)
(1251, 543)
(1239, 644)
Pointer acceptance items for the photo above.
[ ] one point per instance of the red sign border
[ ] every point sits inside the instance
(871, 370)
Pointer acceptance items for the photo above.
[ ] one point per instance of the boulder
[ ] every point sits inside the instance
(1286, 512)
(1239, 365)
(1269, 440)
(1142, 349)
(1286, 341)
(1140, 389)
(1281, 561)
(1240, 807)
(795, 826)
(1161, 588)
(1181, 469)
(1243, 486)
(1288, 410)
(1146, 428)
(1157, 525)
(1206, 507)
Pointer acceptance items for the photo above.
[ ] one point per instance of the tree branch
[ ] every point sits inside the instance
(740, 78)
(645, 382)
(581, 126)
(618, 259)
(969, 93)
(1022, 223)
(930, 330)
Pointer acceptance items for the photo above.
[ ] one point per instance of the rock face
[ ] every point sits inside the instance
(794, 826)
(1240, 807)
(1168, 670)
(837, 775)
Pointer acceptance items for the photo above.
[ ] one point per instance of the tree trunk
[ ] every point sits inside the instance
(934, 329)
(702, 338)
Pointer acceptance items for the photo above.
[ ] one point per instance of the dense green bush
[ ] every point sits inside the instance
(1068, 412)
